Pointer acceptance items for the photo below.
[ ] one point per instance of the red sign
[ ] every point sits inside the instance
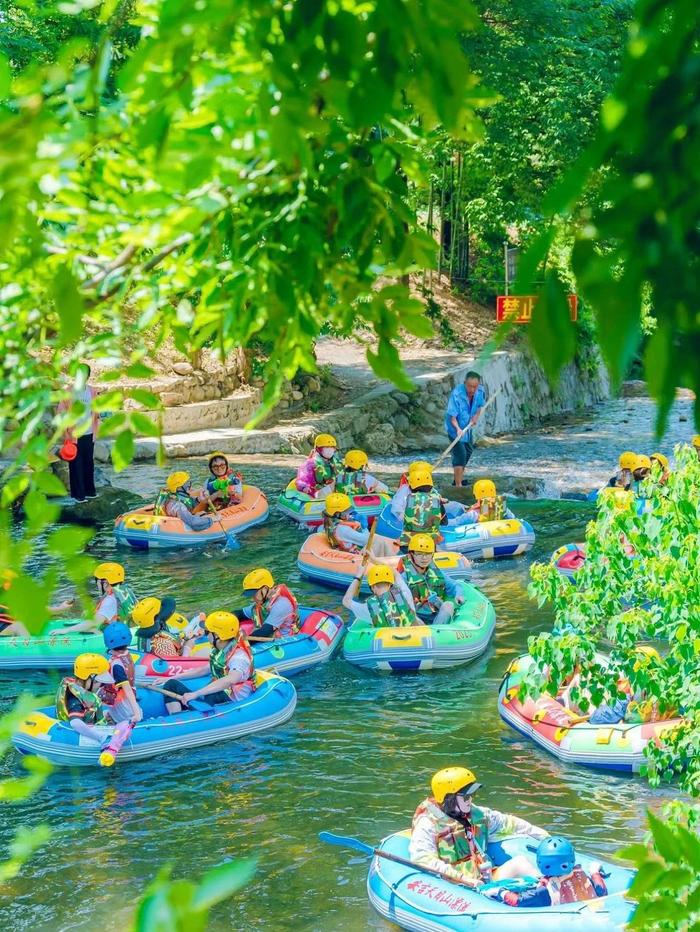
(518, 308)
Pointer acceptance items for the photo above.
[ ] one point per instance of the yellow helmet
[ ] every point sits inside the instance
(642, 462)
(217, 455)
(627, 460)
(325, 440)
(176, 480)
(696, 441)
(90, 665)
(177, 622)
(646, 656)
(484, 488)
(337, 503)
(355, 459)
(421, 543)
(112, 573)
(144, 612)
(451, 780)
(419, 464)
(660, 459)
(224, 625)
(419, 477)
(256, 579)
(380, 573)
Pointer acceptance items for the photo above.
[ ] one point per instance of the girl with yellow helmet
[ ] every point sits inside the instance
(178, 500)
(391, 604)
(115, 599)
(488, 504)
(224, 487)
(77, 699)
(623, 477)
(316, 475)
(342, 533)
(274, 610)
(435, 595)
(353, 478)
(231, 666)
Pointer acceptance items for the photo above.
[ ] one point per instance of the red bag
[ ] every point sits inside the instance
(68, 451)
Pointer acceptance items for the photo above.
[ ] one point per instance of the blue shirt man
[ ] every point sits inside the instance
(463, 411)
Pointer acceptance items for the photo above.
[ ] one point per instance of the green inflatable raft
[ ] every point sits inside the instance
(48, 651)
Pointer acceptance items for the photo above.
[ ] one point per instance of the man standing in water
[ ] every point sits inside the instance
(463, 411)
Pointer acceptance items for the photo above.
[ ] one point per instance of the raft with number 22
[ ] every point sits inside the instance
(143, 530)
(304, 509)
(424, 647)
(272, 703)
(318, 560)
(418, 901)
(482, 541)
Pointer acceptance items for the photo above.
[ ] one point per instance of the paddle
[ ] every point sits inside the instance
(345, 841)
(232, 542)
(195, 704)
(117, 741)
(367, 550)
(464, 431)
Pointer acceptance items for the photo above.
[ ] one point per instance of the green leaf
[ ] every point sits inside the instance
(222, 881)
(67, 541)
(387, 365)
(123, 450)
(144, 397)
(551, 331)
(144, 425)
(5, 78)
(69, 304)
(49, 483)
(665, 839)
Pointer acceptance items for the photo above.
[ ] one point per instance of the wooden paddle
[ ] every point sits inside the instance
(464, 431)
(195, 704)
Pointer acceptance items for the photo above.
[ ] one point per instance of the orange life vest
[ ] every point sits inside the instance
(260, 612)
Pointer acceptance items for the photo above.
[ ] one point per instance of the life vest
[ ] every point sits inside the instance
(572, 889)
(164, 497)
(260, 612)
(391, 610)
(351, 482)
(325, 470)
(111, 693)
(91, 702)
(226, 485)
(422, 515)
(424, 586)
(459, 845)
(331, 523)
(219, 661)
(126, 600)
(491, 509)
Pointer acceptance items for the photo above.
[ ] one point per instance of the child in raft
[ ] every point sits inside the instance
(115, 601)
(274, 609)
(562, 881)
(488, 504)
(152, 616)
(353, 478)
(224, 487)
(391, 604)
(316, 475)
(398, 502)
(177, 500)
(435, 595)
(425, 511)
(120, 696)
(77, 699)
(660, 468)
(623, 477)
(344, 534)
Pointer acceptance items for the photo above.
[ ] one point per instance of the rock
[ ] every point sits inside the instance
(401, 423)
(381, 440)
(400, 397)
(182, 368)
(109, 503)
(297, 395)
(313, 384)
(682, 418)
(198, 393)
(634, 388)
(172, 399)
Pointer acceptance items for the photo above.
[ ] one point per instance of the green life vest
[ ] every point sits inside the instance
(325, 470)
(164, 496)
(462, 847)
(424, 586)
(126, 600)
(219, 659)
(351, 482)
(390, 610)
(94, 713)
(492, 509)
(422, 516)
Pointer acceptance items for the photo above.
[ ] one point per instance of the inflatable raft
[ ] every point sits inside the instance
(569, 558)
(419, 901)
(571, 737)
(319, 636)
(48, 651)
(318, 560)
(271, 704)
(143, 530)
(424, 647)
(304, 509)
(484, 541)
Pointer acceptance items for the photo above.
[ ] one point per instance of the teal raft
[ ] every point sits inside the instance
(419, 901)
(272, 703)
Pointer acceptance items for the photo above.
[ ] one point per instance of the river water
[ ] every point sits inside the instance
(355, 759)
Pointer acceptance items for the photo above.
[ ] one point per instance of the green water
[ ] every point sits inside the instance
(355, 759)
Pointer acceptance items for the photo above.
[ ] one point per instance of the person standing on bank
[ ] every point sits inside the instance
(81, 469)
(463, 411)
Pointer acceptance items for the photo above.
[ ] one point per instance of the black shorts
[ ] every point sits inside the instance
(461, 452)
(182, 686)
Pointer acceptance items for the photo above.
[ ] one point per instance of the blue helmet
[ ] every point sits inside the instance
(117, 635)
(555, 856)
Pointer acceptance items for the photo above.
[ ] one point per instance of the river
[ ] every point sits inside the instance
(355, 759)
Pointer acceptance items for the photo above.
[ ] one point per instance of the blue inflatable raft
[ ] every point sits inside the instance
(486, 540)
(272, 703)
(419, 901)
